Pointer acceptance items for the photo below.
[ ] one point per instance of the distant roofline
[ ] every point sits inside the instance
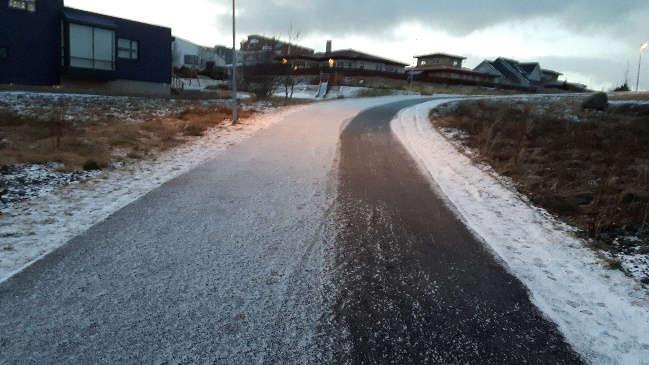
(277, 40)
(442, 55)
(367, 56)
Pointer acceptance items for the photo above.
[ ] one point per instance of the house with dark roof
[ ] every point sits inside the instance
(80, 49)
(346, 61)
(447, 68)
(507, 72)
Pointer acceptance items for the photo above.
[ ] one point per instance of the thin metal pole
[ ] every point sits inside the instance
(235, 106)
(637, 84)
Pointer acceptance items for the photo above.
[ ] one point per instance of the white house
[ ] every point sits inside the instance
(193, 56)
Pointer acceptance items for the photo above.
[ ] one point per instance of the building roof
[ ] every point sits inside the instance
(510, 70)
(528, 67)
(351, 54)
(441, 55)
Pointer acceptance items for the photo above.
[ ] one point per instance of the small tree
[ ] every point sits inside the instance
(289, 80)
(623, 88)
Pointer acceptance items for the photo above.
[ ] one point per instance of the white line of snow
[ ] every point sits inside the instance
(36, 227)
(603, 314)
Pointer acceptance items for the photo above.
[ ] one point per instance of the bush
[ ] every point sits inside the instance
(262, 86)
(91, 165)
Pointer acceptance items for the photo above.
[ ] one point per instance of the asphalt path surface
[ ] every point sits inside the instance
(296, 246)
(414, 284)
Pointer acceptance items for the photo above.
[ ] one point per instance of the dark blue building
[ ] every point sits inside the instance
(44, 43)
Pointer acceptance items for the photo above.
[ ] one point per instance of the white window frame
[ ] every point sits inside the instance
(133, 49)
(28, 5)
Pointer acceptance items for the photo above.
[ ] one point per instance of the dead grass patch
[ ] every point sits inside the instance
(590, 168)
(76, 143)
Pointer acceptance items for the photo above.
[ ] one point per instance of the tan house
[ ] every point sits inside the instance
(447, 68)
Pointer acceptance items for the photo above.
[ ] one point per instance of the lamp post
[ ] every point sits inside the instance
(643, 48)
(235, 106)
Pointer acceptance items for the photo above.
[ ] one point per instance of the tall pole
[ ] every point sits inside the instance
(637, 83)
(235, 106)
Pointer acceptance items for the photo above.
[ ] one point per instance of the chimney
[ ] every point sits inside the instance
(328, 46)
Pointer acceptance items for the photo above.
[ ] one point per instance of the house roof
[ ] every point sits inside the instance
(351, 54)
(510, 70)
(441, 55)
(528, 67)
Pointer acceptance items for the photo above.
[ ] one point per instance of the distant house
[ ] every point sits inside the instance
(45, 43)
(258, 49)
(442, 67)
(507, 72)
(550, 76)
(525, 75)
(188, 55)
(347, 61)
(350, 59)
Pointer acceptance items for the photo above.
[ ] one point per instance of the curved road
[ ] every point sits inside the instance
(297, 246)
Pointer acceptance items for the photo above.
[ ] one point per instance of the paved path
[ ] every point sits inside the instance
(240, 261)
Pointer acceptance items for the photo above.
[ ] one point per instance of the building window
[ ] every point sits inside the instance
(127, 49)
(92, 48)
(29, 5)
(3, 54)
(193, 60)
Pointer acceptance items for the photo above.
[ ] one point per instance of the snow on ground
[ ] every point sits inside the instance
(92, 108)
(602, 313)
(306, 91)
(39, 225)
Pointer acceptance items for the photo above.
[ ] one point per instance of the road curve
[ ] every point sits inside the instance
(276, 252)
(414, 285)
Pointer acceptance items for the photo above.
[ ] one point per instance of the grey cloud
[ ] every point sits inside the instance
(338, 17)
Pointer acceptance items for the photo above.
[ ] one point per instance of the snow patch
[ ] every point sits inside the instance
(603, 314)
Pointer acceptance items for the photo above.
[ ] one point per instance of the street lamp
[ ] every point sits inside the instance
(643, 48)
(235, 106)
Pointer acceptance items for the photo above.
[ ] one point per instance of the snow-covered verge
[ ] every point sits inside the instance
(55, 214)
(603, 314)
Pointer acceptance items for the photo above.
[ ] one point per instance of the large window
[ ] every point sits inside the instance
(127, 49)
(3, 54)
(92, 48)
(191, 59)
(29, 5)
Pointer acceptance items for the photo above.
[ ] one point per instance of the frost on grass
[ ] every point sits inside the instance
(589, 168)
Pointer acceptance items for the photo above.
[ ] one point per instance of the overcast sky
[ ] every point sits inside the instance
(591, 41)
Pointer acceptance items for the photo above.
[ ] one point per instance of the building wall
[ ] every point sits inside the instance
(439, 60)
(365, 65)
(32, 41)
(154, 61)
(117, 87)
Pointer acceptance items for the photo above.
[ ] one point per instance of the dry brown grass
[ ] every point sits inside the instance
(629, 96)
(594, 173)
(32, 140)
